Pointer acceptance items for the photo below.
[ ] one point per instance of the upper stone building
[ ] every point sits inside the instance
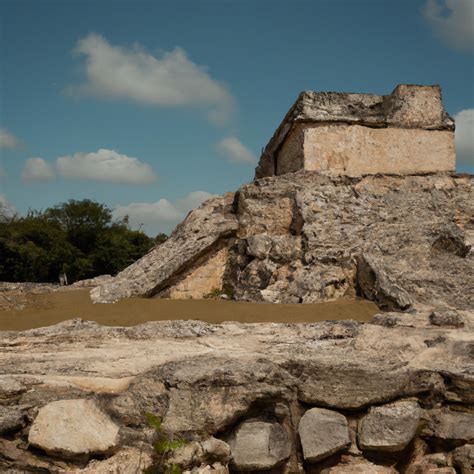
(405, 132)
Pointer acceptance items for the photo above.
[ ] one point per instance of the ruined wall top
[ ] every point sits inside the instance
(407, 107)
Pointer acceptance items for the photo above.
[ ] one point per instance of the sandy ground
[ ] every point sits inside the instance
(52, 308)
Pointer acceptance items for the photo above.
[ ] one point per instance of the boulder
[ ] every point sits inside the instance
(259, 446)
(70, 428)
(323, 433)
(389, 427)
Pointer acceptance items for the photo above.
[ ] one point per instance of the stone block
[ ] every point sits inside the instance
(259, 446)
(406, 132)
(323, 433)
(389, 427)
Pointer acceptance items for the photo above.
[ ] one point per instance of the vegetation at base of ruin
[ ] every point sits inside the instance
(217, 293)
(78, 238)
(163, 446)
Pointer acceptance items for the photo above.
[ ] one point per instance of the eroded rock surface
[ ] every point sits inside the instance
(207, 382)
(403, 242)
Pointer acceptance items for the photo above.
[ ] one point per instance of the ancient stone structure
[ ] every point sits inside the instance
(401, 241)
(394, 395)
(405, 132)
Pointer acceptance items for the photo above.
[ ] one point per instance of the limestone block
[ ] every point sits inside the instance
(355, 150)
(380, 149)
(259, 445)
(323, 433)
(414, 106)
(389, 427)
(73, 427)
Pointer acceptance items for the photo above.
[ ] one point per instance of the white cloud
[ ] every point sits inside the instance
(172, 80)
(235, 151)
(8, 140)
(36, 169)
(105, 165)
(452, 21)
(162, 215)
(465, 139)
(6, 209)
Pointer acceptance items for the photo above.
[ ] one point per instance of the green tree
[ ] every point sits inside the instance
(76, 237)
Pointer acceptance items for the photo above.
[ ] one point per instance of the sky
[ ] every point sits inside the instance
(150, 107)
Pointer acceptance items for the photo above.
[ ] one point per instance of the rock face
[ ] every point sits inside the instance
(389, 427)
(322, 433)
(277, 393)
(405, 132)
(403, 242)
(73, 427)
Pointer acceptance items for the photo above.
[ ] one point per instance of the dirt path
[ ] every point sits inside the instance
(52, 308)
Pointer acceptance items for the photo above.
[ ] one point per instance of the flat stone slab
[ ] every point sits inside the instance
(258, 446)
(73, 427)
(389, 427)
(323, 433)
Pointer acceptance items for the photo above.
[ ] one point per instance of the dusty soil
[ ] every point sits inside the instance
(51, 308)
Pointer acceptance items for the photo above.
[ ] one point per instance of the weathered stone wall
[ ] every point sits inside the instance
(356, 150)
(405, 132)
(392, 396)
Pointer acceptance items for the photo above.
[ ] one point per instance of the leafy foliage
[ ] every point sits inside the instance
(217, 293)
(79, 238)
(163, 446)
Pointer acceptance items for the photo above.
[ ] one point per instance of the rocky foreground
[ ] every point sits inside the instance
(394, 395)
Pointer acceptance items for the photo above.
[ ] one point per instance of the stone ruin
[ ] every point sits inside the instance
(406, 132)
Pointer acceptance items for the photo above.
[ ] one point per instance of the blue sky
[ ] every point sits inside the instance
(171, 101)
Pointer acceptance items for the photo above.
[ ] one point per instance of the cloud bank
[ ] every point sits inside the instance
(172, 80)
(235, 151)
(162, 215)
(465, 140)
(105, 165)
(36, 169)
(8, 141)
(452, 21)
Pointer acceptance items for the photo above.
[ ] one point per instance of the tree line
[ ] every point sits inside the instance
(78, 238)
